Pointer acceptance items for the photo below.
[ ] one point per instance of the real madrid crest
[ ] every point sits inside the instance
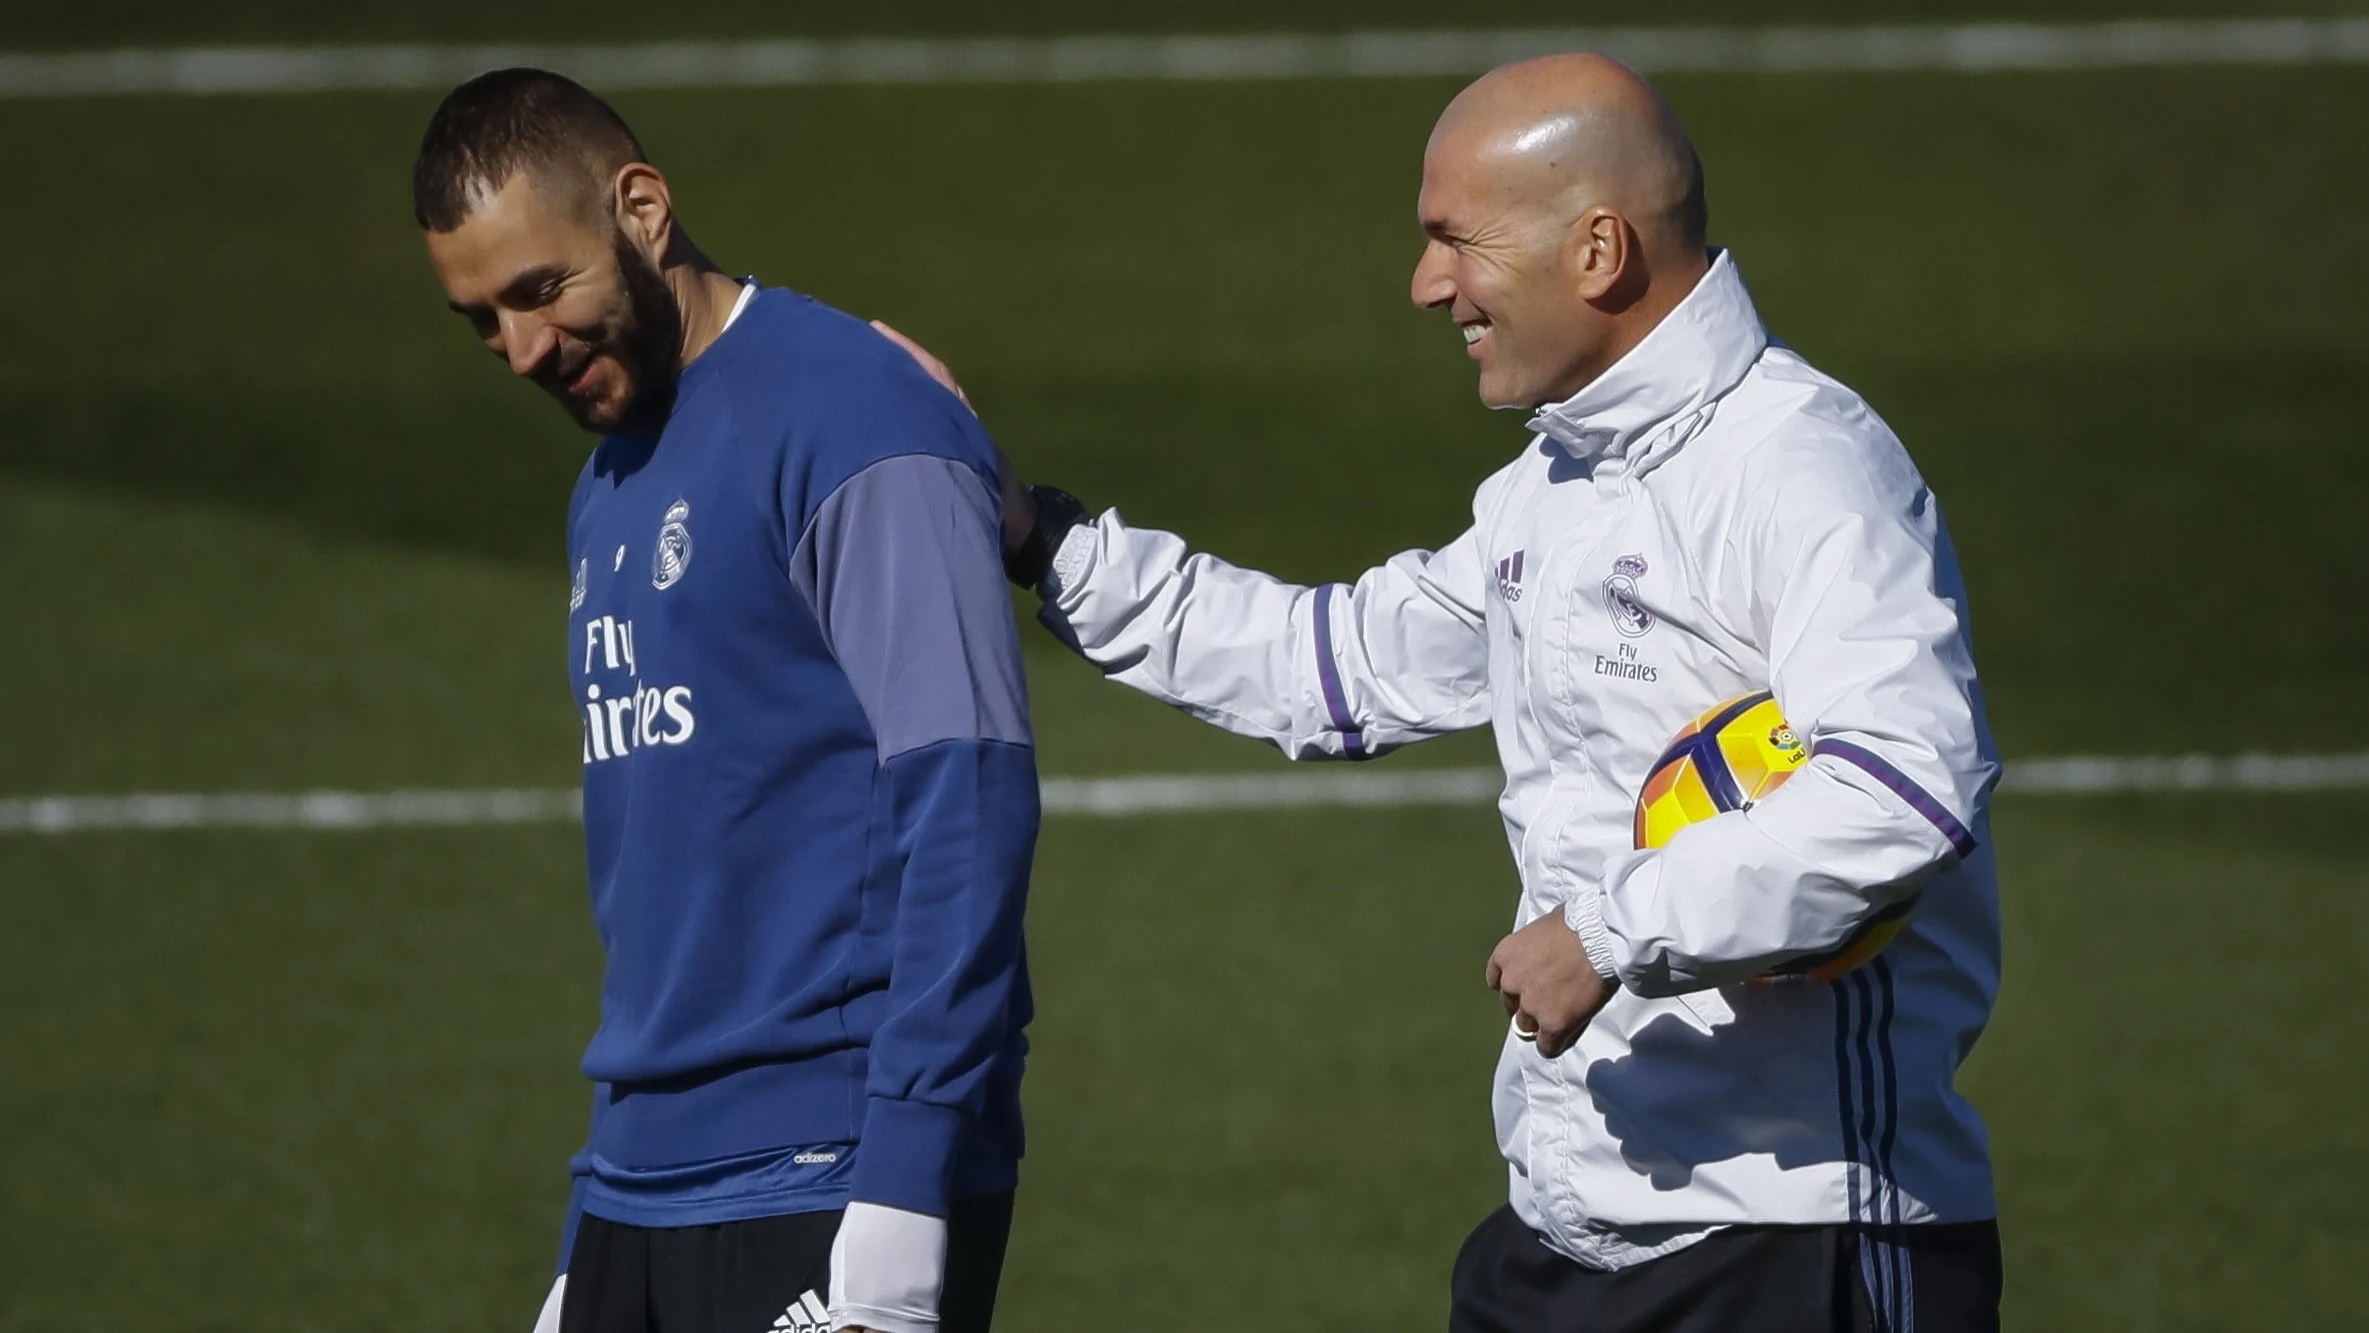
(1629, 615)
(673, 556)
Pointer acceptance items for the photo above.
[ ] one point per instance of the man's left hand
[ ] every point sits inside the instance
(1549, 987)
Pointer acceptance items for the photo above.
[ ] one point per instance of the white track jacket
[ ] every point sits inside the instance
(1711, 517)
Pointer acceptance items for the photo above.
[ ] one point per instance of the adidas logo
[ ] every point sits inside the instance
(1509, 577)
(805, 1315)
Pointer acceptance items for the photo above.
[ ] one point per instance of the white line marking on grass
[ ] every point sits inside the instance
(2253, 772)
(300, 810)
(1149, 794)
(1164, 794)
(1968, 48)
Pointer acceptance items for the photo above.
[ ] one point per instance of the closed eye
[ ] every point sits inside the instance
(535, 288)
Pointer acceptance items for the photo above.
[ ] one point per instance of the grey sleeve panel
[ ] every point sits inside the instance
(903, 567)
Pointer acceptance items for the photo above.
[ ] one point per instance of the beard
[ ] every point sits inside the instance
(645, 340)
(651, 343)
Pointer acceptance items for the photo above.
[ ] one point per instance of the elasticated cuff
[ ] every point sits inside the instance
(1069, 562)
(905, 1158)
(1585, 915)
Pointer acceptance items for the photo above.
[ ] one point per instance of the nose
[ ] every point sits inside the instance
(527, 342)
(1434, 283)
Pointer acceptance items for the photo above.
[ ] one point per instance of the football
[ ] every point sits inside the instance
(1731, 758)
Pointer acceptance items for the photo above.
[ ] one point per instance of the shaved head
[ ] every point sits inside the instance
(1567, 215)
(1582, 131)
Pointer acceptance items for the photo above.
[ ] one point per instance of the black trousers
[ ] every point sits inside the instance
(1837, 1279)
(768, 1275)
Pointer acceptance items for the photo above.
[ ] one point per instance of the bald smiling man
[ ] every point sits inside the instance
(1704, 1128)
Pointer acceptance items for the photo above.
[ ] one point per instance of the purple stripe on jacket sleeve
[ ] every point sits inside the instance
(1917, 797)
(1328, 676)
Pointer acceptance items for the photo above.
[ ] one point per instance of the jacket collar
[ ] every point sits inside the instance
(1696, 354)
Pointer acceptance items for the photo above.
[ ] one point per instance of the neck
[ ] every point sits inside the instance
(1664, 292)
(703, 293)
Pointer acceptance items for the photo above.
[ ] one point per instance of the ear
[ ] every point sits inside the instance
(645, 209)
(1601, 249)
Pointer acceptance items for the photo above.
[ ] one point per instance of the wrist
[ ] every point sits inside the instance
(888, 1269)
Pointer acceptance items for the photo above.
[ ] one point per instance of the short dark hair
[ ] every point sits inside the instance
(511, 120)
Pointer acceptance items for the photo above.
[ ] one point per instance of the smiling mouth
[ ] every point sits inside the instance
(577, 383)
(1474, 331)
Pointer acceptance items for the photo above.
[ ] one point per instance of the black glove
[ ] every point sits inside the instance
(1057, 511)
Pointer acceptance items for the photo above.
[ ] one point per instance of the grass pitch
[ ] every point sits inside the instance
(325, 1081)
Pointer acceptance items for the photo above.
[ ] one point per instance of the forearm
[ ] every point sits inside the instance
(1841, 569)
(1188, 629)
(965, 816)
(1747, 893)
(1334, 671)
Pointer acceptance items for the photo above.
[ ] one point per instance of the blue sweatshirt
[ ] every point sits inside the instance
(810, 793)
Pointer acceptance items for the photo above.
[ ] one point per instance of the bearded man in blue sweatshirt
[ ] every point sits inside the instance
(810, 794)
